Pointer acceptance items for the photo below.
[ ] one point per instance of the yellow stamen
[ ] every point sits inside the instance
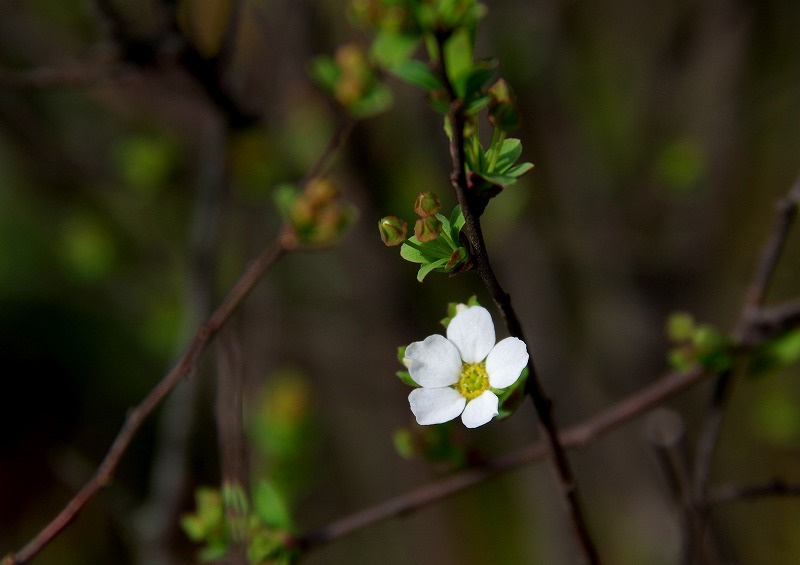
(473, 380)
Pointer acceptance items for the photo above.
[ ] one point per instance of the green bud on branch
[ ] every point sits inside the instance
(427, 229)
(393, 230)
(427, 204)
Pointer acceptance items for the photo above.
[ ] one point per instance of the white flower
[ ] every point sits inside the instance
(459, 374)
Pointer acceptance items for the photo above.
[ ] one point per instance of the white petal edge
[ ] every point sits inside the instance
(434, 362)
(435, 405)
(480, 410)
(506, 361)
(472, 330)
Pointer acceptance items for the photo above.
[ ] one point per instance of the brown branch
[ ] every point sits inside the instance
(84, 73)
(474, 234)
(575, 437)
(185, 367)
(733, 493)
(749, 315)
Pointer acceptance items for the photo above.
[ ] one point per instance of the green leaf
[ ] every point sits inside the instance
(270, 506)
(680, 326)
(469, 84)
(404, 443)
(413, 254)
(477, 104)
(425, 269)
(519, 170)
(508, 153)
(391, 48)
(376, 101)
(457, 221)
(417, 73)
(458, 51)
(405, 376)
(324, 71)
(781, 351)
(786, 349)
(285, 196)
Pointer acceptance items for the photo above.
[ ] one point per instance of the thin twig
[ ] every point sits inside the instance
(156, 519)
(574, 437)
(185, 367)
(751, 307)
(83, 73)
(733, 493)
(474, 234)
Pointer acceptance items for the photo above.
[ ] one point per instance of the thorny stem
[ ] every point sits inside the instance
(136, 416)
(474, 234)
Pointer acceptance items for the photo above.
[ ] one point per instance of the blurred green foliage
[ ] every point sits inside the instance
(662, 133)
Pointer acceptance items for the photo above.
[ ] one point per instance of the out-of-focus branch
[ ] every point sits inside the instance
(156, 519)
(82, 73)
(733, 493)
(185, 367)
(749, 317)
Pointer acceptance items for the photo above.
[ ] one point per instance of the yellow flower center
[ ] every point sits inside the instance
(473, 380)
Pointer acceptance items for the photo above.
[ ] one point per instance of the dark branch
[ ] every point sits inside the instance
(474, 234)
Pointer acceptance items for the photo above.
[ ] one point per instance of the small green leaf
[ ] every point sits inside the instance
(457, 221)
(413, 254)
(680, 326)
(324, 71)
(458, 51)
(519, 170)
(390, 49)
(508, 153)
(786, 349)
(469, 84)
(376, 101)
(404, 443)
(425, 269)
(405, 376)
(417, 73)
(270, 506)
(477, 104)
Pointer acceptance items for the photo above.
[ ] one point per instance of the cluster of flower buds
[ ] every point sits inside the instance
(314, 217)
(428, 226)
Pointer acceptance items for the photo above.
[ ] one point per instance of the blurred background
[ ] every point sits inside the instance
(663, 134)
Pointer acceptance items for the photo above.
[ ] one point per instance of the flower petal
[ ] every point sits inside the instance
(472, 331)
(436, 405)
(506, 361)
(480, 410)
(434, 362)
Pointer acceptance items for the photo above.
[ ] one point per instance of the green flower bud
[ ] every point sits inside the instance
(427, 204)
(393, 230)
(427, 229)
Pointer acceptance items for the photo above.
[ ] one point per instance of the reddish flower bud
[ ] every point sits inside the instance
(427, 228)
(393, 230)
(427, 204)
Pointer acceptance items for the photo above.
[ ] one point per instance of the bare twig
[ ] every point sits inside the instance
(474, 234)
(748, 319)
(185, 367)
(733, 493)
(230, 435)
(156, 519)
(83, 73)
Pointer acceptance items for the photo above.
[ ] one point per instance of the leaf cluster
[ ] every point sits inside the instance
(227, 516)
